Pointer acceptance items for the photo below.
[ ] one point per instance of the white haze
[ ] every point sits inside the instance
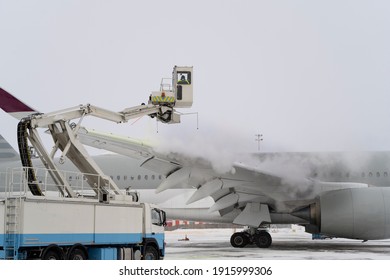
(221, 150)
(308, 75)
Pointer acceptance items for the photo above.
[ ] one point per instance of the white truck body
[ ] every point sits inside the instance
(118, 229)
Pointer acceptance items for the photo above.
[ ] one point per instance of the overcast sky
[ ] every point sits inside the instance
(308, 75)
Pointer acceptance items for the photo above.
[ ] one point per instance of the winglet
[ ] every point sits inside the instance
(13, 106)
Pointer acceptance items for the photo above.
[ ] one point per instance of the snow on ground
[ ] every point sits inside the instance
(288, 244)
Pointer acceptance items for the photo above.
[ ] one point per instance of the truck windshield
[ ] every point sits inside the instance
(157, 217)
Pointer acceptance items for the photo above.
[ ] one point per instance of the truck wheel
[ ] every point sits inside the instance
(151, 253)
(77, 254)
(52, 253)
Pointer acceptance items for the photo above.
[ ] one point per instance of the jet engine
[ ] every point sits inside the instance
(355, 213)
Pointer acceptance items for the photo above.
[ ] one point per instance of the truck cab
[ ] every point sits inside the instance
(154, 232)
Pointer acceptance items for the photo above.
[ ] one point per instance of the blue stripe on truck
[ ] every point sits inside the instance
(29, 240)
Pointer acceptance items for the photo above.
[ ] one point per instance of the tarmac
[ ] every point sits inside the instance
(288, 244)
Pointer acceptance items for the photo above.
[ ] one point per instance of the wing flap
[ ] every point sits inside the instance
(160, 166)
(225, 202)
(205, 190)
(175, 180)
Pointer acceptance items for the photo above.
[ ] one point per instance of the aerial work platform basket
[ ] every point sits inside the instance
(178, 92)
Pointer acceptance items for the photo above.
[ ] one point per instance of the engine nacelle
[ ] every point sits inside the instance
(356, 213)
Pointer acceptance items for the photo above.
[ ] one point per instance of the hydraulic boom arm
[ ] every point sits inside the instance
(64, 134)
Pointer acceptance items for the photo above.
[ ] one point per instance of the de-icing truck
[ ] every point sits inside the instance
(105, 223)
(61, 228)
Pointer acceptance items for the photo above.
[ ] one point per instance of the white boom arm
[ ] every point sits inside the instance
(163, 113)
(65, 137)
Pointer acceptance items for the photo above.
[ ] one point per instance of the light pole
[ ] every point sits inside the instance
(259, 138)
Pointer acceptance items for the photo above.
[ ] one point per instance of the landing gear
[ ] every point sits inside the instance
(260, 237)
(239, 239)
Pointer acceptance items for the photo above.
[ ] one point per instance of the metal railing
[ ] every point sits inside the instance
(166, 84)
(14, 183)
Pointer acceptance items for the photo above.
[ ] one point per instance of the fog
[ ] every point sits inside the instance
(309, 76)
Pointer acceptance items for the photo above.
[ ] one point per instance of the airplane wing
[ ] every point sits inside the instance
(236, 188)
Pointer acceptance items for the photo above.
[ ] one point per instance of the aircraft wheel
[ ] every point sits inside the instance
(263, 239)
(239, 240)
